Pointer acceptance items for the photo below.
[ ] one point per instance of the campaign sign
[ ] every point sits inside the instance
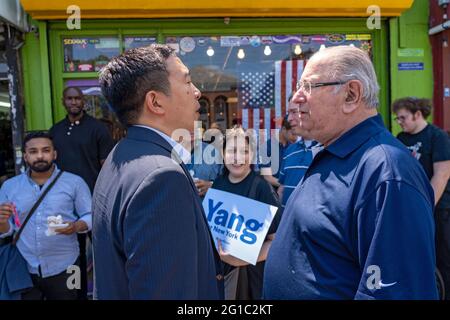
(239, 222)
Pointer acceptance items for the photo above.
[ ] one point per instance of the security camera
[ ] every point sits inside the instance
(33, 28)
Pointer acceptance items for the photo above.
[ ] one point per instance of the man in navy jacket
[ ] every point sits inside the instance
(151, 238)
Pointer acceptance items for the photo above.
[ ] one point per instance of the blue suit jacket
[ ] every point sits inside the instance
(150, 235)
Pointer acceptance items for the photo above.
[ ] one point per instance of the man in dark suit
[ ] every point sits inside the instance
(151, 238)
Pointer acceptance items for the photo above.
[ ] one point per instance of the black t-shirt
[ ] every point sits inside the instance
(263, 193)
(81, 146)
(429, 146)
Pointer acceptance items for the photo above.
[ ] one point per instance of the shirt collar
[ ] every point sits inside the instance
(184, 155)
(356, 136)
(78, 122)
(305, 143)
(54, 173)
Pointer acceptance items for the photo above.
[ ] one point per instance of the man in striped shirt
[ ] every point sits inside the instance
(296, 161)
(297, 157)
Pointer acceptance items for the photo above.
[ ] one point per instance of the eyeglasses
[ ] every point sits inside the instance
(400, 118)
(307, 86)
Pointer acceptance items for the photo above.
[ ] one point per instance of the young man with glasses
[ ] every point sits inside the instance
(431, 146)
(360, 223)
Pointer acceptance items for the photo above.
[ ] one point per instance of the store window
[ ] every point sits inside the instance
(244, 79)
(220, 111)
(204, 111)
(249, 78)
(89, 54)
(137, 42)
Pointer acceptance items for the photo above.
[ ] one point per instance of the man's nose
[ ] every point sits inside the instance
(197, 93)
(299, 97)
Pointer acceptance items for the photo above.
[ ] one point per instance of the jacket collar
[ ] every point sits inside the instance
(143, 133)
(160, 139)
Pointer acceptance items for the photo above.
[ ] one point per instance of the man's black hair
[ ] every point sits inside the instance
(34, 135)
(126, 79)
(80, 92)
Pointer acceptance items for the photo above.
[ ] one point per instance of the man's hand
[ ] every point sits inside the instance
(6, 211)
(203, 186)
(73, 227)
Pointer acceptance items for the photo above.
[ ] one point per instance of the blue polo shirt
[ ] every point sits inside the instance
(296, 160)
(359, 226)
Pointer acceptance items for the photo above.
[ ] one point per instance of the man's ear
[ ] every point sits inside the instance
(153, 102)
(353, 96)
(417, 115)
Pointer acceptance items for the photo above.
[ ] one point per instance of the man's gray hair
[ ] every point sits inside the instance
(350, 63)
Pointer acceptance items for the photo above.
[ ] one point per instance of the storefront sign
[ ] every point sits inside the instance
(255, 41)
(266, 39)
(202, 41)
(336, 38)
(244, 41)
(287, 39)
(410, 66)
(85, 67)
(410, 52)
(240, 223)
(187, 44)
(319, 39)
(68, 42)
(230, 41)
(360, 37)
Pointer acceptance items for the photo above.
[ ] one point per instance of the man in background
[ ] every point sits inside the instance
(83, 143)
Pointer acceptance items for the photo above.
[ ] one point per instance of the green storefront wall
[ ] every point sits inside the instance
(409, 43)
(42, 54)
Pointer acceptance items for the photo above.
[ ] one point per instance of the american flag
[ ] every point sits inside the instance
(287, 73)
(263, 95)
(256, 98)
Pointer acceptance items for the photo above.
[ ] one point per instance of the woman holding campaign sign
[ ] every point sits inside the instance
(242, 279)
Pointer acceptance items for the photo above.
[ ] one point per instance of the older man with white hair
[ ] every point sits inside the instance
(360, 223)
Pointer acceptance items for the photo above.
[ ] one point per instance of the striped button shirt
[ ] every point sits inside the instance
(297, 158)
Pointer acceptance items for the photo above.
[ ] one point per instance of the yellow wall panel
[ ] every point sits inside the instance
(94, 9)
